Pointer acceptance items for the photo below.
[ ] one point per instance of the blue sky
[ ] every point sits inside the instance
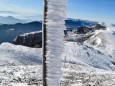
(97, 10)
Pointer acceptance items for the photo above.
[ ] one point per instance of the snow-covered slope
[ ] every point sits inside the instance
(89, 63)
(19, 55)
(97, 51)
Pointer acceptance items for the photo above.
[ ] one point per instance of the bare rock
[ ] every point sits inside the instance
(32, 39)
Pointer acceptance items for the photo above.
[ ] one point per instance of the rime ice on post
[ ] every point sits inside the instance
(55, 17)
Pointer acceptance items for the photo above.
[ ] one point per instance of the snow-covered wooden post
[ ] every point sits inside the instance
(53, 26)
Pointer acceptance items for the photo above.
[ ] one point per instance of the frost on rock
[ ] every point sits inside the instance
(55, 26)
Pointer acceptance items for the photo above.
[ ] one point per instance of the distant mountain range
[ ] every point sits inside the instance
(9, 31)
(10, 27)
(69, 22)
(10, 20)
(113, 25)
(74, 23)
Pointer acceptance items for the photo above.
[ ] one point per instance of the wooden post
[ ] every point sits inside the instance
(44, 32)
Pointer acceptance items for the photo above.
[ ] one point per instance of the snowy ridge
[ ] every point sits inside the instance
(55, 26)
(97, 51)
(11, 54)
(24, 34)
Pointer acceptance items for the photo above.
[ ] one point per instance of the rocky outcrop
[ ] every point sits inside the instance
(86, 29)
(83, 33)
(32, 39)
(79, 38)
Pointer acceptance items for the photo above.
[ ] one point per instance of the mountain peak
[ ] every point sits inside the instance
(9, 17)
(10, 20)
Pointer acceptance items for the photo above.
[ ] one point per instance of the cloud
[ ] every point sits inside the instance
(19, 9)
(20, 12)
(7, 12)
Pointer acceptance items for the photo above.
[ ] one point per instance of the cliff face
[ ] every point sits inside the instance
(32, 39)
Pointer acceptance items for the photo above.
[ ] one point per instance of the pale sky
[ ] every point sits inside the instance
(23, 9)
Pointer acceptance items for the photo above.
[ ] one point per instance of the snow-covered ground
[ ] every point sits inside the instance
(20, 65)
(20, 75)
(77, 75)
(11, 54)
(92, 62)
(89, 64)
(73, 75)
(97, 51)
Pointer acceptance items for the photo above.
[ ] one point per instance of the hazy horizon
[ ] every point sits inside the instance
(21, 9)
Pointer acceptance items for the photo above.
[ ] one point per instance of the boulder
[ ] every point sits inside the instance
(32, 39)
(99, 26)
